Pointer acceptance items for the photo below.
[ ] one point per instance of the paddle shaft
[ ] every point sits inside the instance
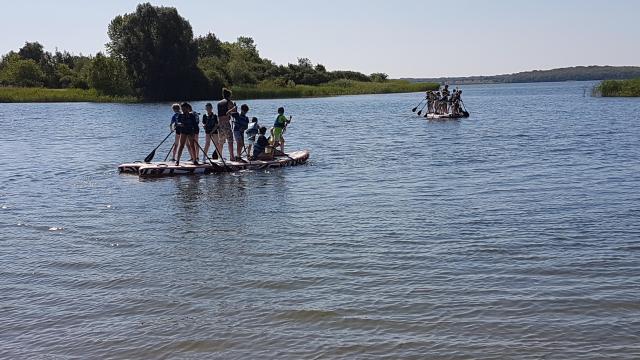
(153, 153)
(215, 146)
(420, 103)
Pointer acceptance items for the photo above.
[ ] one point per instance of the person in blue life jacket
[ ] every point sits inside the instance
(172, 125)
(210, 124)
(252, 132)
(240, 125)
(188, 123)
(278, 128)
(260, 147)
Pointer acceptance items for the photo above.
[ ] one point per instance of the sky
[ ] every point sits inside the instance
(403, 38)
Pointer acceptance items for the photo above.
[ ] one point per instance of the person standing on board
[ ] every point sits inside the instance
(196, 136)
(278, 128)
(252, 131)
(225, 108)
(240, 124)
(187, 122)
(445, 99)
(172, 125)
(210, 123)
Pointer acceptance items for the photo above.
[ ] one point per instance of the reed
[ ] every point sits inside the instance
(334, 88)
(623, 88)
(27, 95)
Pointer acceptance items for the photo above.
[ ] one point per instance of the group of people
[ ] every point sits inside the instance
(444, 102)
(226, 125)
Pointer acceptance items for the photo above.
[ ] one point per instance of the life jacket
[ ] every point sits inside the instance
(210, 122)
(252, 130)
(278, 124)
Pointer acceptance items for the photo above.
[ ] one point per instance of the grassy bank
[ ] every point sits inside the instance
(336, 88)
(18, 95)
(619, 88)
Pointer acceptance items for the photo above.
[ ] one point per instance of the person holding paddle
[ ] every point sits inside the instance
(187, 122)
(172, 125)
(225, 108)
(240, 124)
(279, 127)
(210, 123)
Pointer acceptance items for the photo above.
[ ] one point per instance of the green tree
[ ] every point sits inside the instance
(157, 46)
(108, 76)
(209, 46)
(21, 72)
(32, 50)
(379, 77)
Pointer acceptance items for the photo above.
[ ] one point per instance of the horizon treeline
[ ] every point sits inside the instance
(152, 54)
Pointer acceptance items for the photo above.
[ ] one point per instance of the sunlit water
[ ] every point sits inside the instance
(512, 234)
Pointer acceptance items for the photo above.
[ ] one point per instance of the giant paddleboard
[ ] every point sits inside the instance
(160, 169)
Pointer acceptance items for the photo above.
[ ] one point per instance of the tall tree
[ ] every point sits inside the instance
(157, 46)
(33, 51)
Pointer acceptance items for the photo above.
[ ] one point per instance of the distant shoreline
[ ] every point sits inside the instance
(576, 73)
(343, 88)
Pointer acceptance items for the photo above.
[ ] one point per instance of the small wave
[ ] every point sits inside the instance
(307, 314)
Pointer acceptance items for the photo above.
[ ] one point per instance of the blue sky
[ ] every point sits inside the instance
(400, 37)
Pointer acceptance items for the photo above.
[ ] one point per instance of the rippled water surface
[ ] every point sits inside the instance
(512, 234)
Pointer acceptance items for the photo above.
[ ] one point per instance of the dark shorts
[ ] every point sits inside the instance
(210, 132)
(238, 136)
(178, 131)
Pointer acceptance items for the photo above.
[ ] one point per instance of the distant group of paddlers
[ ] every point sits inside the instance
(443, 102)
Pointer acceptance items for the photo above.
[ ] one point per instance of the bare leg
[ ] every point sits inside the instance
(230, 143)
(176, 143)
(240, 146)
(183, 140)
(194, 146)
(207, 143)
(190, 146)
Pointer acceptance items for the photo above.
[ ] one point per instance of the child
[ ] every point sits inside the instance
(260, 146)
(187, 122)
(252, 132)
(210, 123)
(172, 125)
(240, 124)
(278, 128)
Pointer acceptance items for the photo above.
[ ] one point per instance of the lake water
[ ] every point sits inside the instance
(512, 234)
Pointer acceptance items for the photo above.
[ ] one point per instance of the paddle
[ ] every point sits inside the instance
(465, 113)
(172, 146)
(218, 152)
(153, 153)
(420, 112)
(420, 103)
(215, 166)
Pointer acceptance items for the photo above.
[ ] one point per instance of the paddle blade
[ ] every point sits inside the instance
(419, 112)
(150, 156)
(414, 109)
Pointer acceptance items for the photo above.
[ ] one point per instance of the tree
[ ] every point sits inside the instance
(21, 72)
(32, 50)
(209, 46)
(156, 45)
(379, 77)
(305, 63)
(108, 76)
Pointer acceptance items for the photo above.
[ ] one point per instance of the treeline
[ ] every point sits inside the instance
(618, 88)
(153, 55)
(577, 73)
